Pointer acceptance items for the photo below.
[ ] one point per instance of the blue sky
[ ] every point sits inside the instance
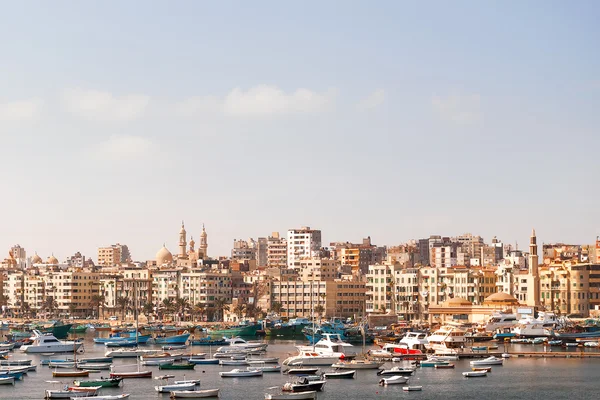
(390, 119)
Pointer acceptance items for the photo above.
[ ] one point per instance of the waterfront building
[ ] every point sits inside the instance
(243, 250)
(276, 251)
(110, 256)
(458, 309)
(205, 286)
(261, 252)
(302, 243)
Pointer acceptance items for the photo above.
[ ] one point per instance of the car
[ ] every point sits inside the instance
(113, 318)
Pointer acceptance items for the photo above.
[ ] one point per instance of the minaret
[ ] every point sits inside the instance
(533, 279)
(192, 244)
(182, 242)
(203, 248)
(533, 254)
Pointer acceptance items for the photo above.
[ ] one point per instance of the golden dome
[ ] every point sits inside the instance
(52, 260)
(457, 302)
(164, 256)
(501, 297)
(36, 259)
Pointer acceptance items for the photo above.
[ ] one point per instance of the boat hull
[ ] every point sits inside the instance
(177, 339)
(249, 330)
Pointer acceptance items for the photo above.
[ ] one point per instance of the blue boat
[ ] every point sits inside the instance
(7, 374)
(177, 339)
(122, 343)
(504, 335)
(208, 341)
(141, 339)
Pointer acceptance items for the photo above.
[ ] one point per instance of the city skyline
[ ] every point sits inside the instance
(118, 121)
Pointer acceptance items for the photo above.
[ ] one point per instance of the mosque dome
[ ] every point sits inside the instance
(500, 298)
(36, 259)
(164, 256)
(52, 260)
(457, 302)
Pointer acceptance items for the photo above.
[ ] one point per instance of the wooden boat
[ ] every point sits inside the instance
(7, 380)
(479, 348)
(203, 361)
(488, 369)
(393, 380)
(194, 394)
(8, 374)
(68, 393)
(412, 388)
(96, 359)
(194, 381)
(177, 386)
(87, 389)
(131, 375)
(305, 384)
(63, 374)
(432, 364)
(241, 373)
(207, 341)
(309, 395)
(233, 362)
(102, 382)
(396, 371)
(177, 339)
(268, 368)
(447, 366)
(474, 374)
(158, 362)
(175, 347)
(301, 371)
(177, 366)
(488, 361)
(358, 364)
(94, 366)
(11, 363)
(340, 374)
(107, 397)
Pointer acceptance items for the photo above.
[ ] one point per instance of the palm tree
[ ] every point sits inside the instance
(200, 309)
(239, 310)
(50, 305)
(220, 306)
(96, 301)
(276, 307)
(122, 303)
(319, 309)
(148, 309)
(182, 304)
(72, 309)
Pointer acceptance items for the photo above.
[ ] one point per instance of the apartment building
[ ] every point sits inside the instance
(302, 243)
(276, 251)
(109, 256)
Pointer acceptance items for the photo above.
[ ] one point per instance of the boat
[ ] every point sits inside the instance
(194, 394)
(301, 371)
(78, 329)
(125, 353)
(479, 348)
(305, 384)
(233, 362)
(393, 380)
(203, 361)
(555, 342)
(48, 343)
(177, 339)
(358, 364)
(474, 374)
(542, 326)
(329, 350)
(266, 360)
(8, 374)
(236, 343)
(287, 330)
(7, 380)
(487, 369)
(102, 382)
(194, 381)
(442, 366)
(58, 330)
(94, 366)
(488, 361)
(96, 359)
(340, 374)
(239, 330)
(241, 373)
(412, 388)
(447, 339)
(12, 363)
(500, 321)
(141, 339)
(309, 395)
(444, 357)
(7, 346)
(67, 394)
(433, 363)
(396, 371)
(208, 341)
(177, 366)
(175, 347)
(176, 386)
(106, 397)
(160, 362)
(63, 374)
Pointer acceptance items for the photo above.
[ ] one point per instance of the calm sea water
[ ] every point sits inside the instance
(519, 378)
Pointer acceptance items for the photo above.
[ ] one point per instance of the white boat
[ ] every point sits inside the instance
(444, 357)
(412, 388)
(173, 387)
(474, 374)
(500, 320)
(268, 368)
(488, 361)
(393, 380)
(241, 373)
(7, 346)
(194, 394)
(266, 360)
(358, 364)
(124, 352)
(9, 380)
(310, 395)
(233, 362)
(158, 362)
(542, 326)
(194, 381)
(46, 342)
(329, 350)
(68, 393)
(448, 339)
(94, 366)
(106, 397)
(415, 340)
(239, 343)
(396, 371)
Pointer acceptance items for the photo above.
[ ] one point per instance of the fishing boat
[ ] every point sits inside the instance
(239, 330)
(393, 380)
(301, 371)
(203, 361)
(106, 397)
(57, 329)
(433, 363)
(8, 374)
(310, 395)
(78, 329)
(487, 369)
(64, 374)
(241, 373)
(194, 381)
(46, 343)
(305, 384)
(396, 371)
(233, 362)
(141, 339)
(412, 388)
(121, 343)
(7, 380)
(208, 341)
(7, 346)
(177, 339)
(358, 364)
(126, 353)
(11, 363)
(194, 394)
(160, 362)
(96, 359)
(488, 361)
(444, 366)
(340, 374)
(169, 388)
(67, 393)
(131, 374)
(175, 347)
(177, 366)
(474, 374)
(287, 330)
(102, 382)
(94, 366)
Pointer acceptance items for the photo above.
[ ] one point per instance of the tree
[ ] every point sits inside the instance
(182, 304)
(50, 305)
(96, 301)
(123, 303)
(220, 306)
(239, 310)
(72, 309)
(148, 309)
(319, 309)
(276, 307)
(199, 309)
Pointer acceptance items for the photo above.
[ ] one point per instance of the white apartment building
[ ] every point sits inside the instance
(302, 243)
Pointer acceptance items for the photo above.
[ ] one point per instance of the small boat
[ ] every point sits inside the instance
(102, 382)
(505, 355)
(309, 395)
(358, 364)
(10, 363)
(203, 361)
(432, 364)
(175, 347)
(177, 366)
(68, 393)
(479, 348)
(412, 388)
(488, 361)
(305, 384)
(90, 389)
(106, 397)
(122, 353)
(96, 359)
(158, 362)
(487, 369)
(94, 366)
(122, 343)
(7, 380)
(177, 339)
(474, 374)
(396, 371)
(446, 366)
(266, 360)
(555, 342)
(241, 373)
(194, 394)
(340, 374)
(393, 380)
(571, 344)
(207, 341)
(7, 374)
(64, 374)
(233, 362)
(444, 357)
(130, 375)
(194, 381)
(301, 371)
(176, 386)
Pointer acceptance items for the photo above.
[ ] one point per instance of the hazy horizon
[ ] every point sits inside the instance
(395, 120)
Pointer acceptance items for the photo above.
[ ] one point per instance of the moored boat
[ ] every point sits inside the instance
(412, 388)
(444, 366)
(474, 374)
(239, 330)
(194, 394)
(176, 339)
(488, 361)
(309, 395)
(131, 374)
(102, 382)
(106, 397)
(241, 373)
(340, 374)
(393, 380)
(396, 371)
(177, 366)
(48, 343)
(64, 374)
(305, 384)
(358, 364)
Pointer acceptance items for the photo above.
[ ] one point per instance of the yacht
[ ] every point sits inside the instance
(48, 343)
(415, 340)
(326, 351)
(500, 320)
(449, 339)
(542, 326)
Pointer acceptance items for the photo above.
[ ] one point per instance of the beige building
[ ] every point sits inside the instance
(276, 251)
(109, 256)
(75, 287)
(205, 286)
(462, 310)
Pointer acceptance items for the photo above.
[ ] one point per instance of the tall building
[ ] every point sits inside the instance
(533, 279)
(243, 250)
(109, 256)
(276, 251)
(203, 247)
(19, 255)
(261, 252)
(302, 243)
(182, 243)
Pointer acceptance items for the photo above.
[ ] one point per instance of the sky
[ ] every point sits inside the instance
(391, 119)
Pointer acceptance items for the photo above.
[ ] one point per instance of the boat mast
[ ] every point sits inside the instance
(135, 311)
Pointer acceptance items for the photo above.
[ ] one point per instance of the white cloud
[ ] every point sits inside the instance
(264, 100)
(198, 105)
(125, 147)
(372, 101)
(460, 109)
(99, 105)
(20, 110)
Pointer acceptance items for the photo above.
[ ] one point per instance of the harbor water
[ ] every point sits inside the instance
(519, 378)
